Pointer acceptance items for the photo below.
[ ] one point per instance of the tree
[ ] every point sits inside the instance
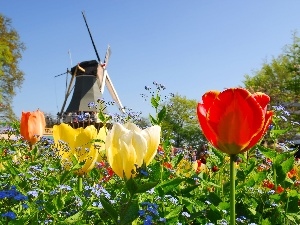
(181, 123)
(11, 77)
(280, 79)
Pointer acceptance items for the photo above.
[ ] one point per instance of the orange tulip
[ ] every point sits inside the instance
(32, 126)
(234, 120)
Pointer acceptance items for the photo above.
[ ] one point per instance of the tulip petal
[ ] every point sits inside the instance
(90, 161)
(235, 117)
(255, 139)
(23, 125)
(65, 133)
(152, 135)
(129, 159)
(100, 145)
(207, 131)
(139, 143)
(209, 97)
(114, 158)
(262, 99)
(132, 126)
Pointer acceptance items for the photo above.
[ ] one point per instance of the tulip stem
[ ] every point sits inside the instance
(232, 189)
(79, 183)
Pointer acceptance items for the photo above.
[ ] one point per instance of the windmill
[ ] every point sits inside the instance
(91, 78)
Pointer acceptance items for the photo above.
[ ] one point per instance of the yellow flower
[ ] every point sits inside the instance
(128, 145)
(184, 168)
(101, 145)
(79, 143)
(2, 167)
(199, 167)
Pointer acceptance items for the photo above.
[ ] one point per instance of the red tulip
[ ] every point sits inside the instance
(234, 120)
(32, 126)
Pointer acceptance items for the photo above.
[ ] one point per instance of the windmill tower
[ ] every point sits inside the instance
(91, 78)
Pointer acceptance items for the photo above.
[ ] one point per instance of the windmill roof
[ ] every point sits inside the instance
(90, 68)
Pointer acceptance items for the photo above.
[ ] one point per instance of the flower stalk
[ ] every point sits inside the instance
(232, 189)
(79, 183)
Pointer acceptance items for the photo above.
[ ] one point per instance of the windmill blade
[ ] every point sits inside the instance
(107, 55)
(69, 89)
(113, 92)
(91, 37)
(101, 79)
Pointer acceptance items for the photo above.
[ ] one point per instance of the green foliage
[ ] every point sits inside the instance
(171, 189)
(11, 77)
(181, 124)
(280, 79)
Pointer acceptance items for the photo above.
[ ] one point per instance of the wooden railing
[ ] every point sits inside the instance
(48, 131)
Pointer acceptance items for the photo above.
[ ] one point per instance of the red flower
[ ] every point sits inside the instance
(32, 126)
(234, 120)
(168, 165)
(292, 173)
(279, 189)
(268, 184)
(215, 168)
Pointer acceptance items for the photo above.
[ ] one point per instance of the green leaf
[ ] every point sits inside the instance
(102, 117)
(64, 176)
(288, 164)
(131, 213)
(281, 175)
(176, 160)
(75, 218)
(162, 114)
(154, 102)
(219, 154)
(174, 213)
(188, 189)
(293, 205)
(145, 187)
(291, 218)
(253, 211)
(131, 186)
(240, 175)
(59, 202)
(214, 198)
(170, 185)
(266, 222)
(109, 209)
(153, 120)
(224, 205)
(260, 176)
(249, 168)
(276, 133)
(188, 203)
(267, 152)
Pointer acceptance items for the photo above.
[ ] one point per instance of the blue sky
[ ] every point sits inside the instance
(189, 46)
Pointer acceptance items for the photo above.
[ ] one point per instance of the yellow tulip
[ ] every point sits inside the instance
(184, 168)
(79, 143)
(199, 167)
(128, 145)
(2, 167)
(101, 145)
(32, 126)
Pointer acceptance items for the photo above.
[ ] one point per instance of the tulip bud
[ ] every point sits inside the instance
(128, 146)
(32, 126)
